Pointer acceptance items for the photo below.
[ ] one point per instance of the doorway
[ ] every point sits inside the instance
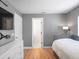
(37, 32)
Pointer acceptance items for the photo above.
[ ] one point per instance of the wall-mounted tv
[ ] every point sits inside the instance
(6, 20)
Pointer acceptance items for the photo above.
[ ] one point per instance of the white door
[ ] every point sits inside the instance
(37, 32)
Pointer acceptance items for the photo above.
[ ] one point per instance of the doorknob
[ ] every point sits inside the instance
(41, 32)
(41, 42)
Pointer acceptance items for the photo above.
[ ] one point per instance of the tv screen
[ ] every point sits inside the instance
(6, 20)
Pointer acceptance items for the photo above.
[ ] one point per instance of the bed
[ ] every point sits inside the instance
(66, 48)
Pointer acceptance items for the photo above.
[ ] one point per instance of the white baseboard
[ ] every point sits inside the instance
(27, 47)
(42, 47)
(47, 47)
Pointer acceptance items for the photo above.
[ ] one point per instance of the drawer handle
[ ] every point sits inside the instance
(8, 57)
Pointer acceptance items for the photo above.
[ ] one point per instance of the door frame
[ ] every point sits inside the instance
(78, 25)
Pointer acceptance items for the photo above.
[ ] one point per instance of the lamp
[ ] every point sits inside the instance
(65, 28)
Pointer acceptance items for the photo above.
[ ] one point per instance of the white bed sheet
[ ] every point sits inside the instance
(66, 48)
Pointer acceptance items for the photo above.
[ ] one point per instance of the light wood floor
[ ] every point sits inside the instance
(39, 53)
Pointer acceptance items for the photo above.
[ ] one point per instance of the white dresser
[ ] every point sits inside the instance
(13, 50)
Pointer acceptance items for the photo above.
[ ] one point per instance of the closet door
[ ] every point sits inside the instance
(37, 32)
(18, 26)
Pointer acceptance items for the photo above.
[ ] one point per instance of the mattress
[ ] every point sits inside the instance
(66, 48)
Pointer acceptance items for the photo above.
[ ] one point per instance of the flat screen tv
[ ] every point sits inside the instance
(6, 20)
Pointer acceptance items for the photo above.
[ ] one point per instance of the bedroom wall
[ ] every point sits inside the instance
(72, 18)
(51, 27)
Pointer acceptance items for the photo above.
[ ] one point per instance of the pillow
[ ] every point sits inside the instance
(74, 37)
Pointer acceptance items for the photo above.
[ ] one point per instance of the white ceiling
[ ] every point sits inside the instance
(40, 6)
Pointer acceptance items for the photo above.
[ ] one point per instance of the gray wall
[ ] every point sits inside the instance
(51, 27)
(72, 18)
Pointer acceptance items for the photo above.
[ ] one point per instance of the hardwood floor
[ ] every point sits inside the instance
(39, 53)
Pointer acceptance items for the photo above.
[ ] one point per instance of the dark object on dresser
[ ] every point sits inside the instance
(4, 36)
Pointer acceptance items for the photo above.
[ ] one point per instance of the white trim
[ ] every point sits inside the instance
(47, 47)
(42, 47)
(78, 25)
(27, 47)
